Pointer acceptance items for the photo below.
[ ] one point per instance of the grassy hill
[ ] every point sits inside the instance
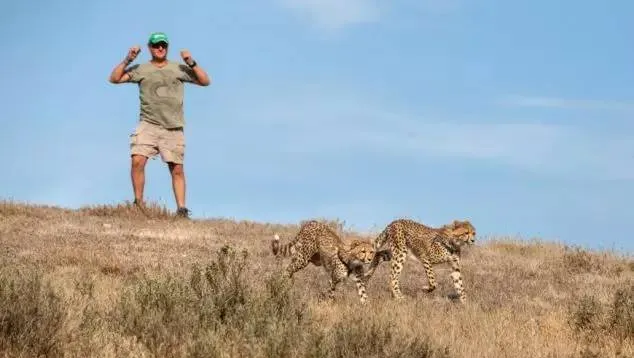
(114, 282)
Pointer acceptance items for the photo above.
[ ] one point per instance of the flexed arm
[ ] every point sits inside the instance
(119, 74)
(200, 76)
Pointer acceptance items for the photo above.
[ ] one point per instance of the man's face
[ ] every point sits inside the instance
(158, 50)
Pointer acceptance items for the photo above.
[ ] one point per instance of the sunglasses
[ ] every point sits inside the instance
(159, 45)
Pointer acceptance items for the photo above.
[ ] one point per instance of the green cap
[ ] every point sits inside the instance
(157, 37)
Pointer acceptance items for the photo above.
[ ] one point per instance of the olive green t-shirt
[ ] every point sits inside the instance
(161, 92)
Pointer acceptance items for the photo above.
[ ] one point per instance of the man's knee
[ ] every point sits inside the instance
(176, 169)
(138, 162)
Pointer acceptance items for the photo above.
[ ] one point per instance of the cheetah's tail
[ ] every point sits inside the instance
(381, 239)
(278, 249)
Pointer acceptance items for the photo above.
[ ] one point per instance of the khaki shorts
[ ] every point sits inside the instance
(150, 140)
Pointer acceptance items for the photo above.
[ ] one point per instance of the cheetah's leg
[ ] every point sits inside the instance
(296, 264)
(338, 274)
(430, 276)
(333, 282)
(398, 260)
(457, 278)
(361, 289)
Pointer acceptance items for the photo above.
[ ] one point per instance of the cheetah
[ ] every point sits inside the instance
(316, 243)
(431, 246)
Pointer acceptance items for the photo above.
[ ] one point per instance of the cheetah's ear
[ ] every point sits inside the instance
(355, 242)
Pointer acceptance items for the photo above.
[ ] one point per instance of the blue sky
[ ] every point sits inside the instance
(515, 115)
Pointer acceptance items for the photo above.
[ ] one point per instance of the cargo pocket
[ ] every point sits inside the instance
(133, 139)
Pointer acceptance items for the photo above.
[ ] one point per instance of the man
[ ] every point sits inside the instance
(161, 123)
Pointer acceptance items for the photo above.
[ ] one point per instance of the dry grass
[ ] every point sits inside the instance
(110, 281)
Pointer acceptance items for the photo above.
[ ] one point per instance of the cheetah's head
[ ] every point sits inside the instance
(462, 230)
(357, 254)
(361, 250)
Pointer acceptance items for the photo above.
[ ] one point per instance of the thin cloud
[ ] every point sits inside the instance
(553, 102)
(334, 14)
(327, 124)
(431, 6)
(331, 15)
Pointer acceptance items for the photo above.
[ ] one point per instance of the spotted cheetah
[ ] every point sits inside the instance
(431, 246)
(316, 243)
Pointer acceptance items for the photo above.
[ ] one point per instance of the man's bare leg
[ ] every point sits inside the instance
(178, 183)
(137, 173)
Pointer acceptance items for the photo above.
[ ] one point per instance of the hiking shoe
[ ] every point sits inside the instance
(183, 212)
(139, 205)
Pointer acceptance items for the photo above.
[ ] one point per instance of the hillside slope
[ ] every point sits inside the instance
(112, 282)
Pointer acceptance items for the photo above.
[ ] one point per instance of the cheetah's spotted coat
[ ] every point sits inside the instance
(316, 243)
(431, 246)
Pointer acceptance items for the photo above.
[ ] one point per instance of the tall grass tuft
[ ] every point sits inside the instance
(31, 315)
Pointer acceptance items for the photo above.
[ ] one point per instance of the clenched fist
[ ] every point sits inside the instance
(187, 57)
(132, 53)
